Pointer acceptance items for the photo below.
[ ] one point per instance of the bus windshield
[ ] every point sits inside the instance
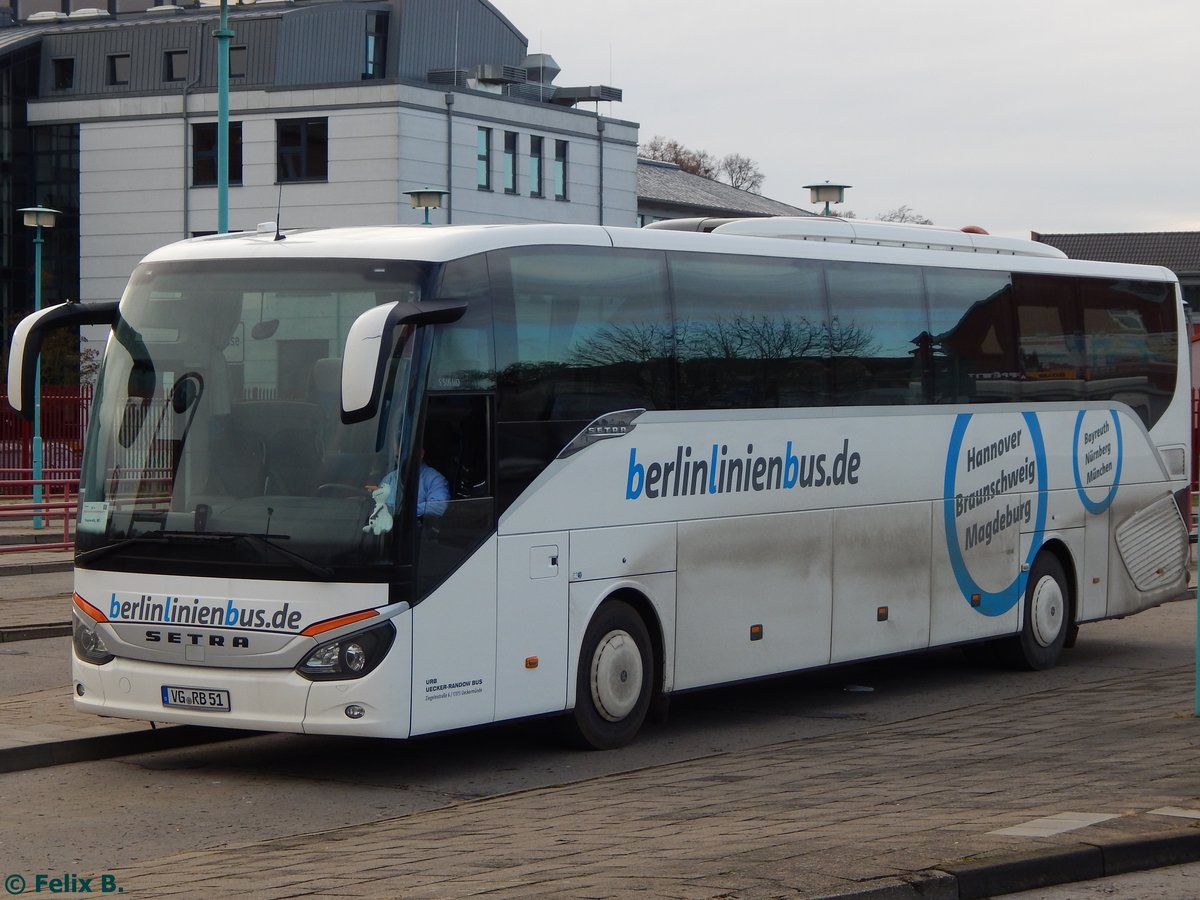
(216, 437)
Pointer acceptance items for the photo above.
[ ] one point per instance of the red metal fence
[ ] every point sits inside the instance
(64, 422)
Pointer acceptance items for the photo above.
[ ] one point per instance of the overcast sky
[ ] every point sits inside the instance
(1017, 115)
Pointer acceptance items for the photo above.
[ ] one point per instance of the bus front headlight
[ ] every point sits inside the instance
(89, 644)
(349, 657)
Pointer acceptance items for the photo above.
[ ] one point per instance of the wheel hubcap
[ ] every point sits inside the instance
(1047, 611)
(616, 675)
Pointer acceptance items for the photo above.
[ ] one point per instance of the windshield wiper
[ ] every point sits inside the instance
(260, 541)
(96, 553)
(264, 541)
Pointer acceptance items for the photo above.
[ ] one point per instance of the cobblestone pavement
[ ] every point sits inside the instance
(832, 816)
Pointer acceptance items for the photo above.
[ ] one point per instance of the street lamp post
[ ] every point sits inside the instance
(826, 193)
(223, 35)
(428, 198)
(37, 218)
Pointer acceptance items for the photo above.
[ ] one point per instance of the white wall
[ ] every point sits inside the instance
(383, 140)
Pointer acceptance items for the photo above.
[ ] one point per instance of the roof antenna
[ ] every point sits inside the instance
(279, 235)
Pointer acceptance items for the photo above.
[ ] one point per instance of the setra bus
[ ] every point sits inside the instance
(675, 457)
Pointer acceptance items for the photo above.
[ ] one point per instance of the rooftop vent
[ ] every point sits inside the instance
(540, 67)
(569, 96)
(456, 77)
(540, 93)
(90, 13)
(47, 16)
(494, 73)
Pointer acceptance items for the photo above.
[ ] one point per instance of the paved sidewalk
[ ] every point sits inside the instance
(946, 806)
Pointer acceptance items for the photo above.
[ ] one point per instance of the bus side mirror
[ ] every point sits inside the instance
(30, 334)
(369, 346)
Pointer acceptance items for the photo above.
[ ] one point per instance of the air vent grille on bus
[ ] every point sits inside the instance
(1154, 545)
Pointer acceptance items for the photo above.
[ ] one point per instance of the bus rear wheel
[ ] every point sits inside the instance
(1047, 617)
(615, 680)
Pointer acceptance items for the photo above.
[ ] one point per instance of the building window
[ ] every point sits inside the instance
(510, 162)
(175, 65)
(560, 170)
(483, 159)
(204, 154)
(536, 162)
(302, 149)
(237, 62)
(118, 68)
(375, 64)
(64, 73)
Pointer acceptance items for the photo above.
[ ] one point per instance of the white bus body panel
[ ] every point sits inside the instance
(454, 648)
(531, 625)
(936, 514)
(773, 571)
(1093, 582)
(881, 560)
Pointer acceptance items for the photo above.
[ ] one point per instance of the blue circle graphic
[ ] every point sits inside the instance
(1089, 504)
(992, 603)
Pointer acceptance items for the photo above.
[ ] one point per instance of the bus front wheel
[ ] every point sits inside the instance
(1047, 617)
(615, 680)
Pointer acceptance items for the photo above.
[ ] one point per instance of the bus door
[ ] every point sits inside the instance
(454, 618)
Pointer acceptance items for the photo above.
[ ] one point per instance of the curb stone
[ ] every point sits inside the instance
(87, 749)
(996, 876)
(35, 632)
(37, 568)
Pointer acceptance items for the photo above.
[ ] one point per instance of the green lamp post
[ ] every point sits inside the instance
(37, 218)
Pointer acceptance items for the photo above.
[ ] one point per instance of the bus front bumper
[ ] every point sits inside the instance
(251, 699)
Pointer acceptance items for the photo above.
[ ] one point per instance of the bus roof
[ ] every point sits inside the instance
(809, 237)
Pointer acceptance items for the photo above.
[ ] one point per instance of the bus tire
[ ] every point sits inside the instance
(1047, 617)
(615, 680)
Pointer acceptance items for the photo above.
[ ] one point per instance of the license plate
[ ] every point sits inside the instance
(195, 698)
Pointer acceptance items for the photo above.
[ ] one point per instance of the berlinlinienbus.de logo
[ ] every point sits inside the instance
(720, 469)
(171, 610)
(65, 883)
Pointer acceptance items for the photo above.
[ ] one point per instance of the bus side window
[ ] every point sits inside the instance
(750, 332)
(972, 345)
(463, 353)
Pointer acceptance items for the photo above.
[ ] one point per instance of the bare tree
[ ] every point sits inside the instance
(735, 169)
(905, 215)
(742, 173)
(697, 162)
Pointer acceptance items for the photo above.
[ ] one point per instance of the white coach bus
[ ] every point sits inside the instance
(667, 460)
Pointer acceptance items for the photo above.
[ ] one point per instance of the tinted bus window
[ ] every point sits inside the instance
(1130, 344)
(751, 332)
(877, 320)
(463, 356)
(1049, 337)
(972, 340)
(580, 331)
